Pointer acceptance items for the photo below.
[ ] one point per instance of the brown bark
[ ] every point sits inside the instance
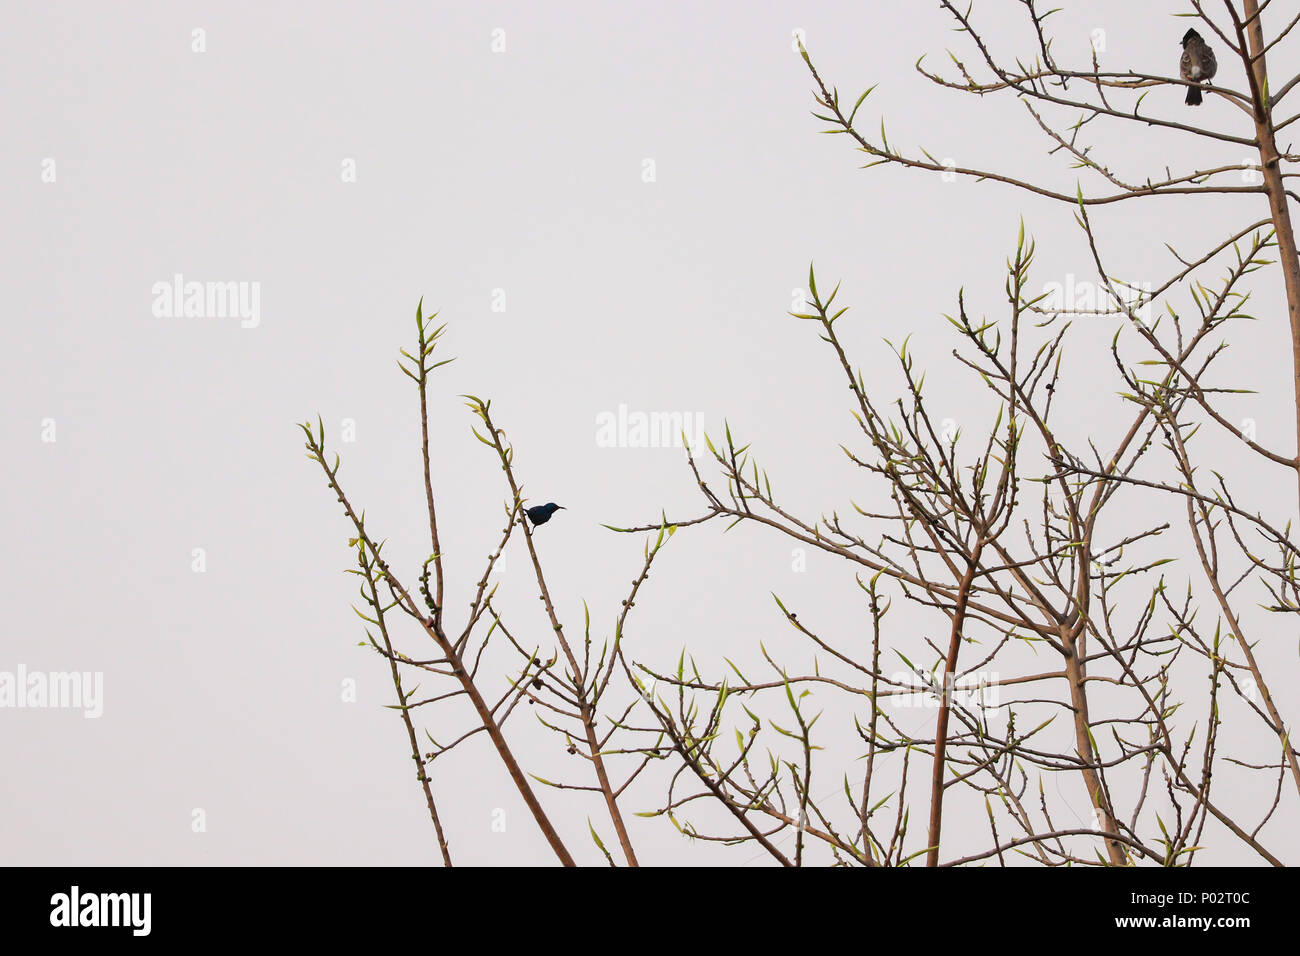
(1251, 37)
(945, 708)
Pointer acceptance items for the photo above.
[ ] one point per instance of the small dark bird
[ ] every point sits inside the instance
(540, 514)
(1198, 65)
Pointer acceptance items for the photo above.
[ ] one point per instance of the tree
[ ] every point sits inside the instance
(1073, 644)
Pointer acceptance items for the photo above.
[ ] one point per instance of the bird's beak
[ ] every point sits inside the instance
(561, 508)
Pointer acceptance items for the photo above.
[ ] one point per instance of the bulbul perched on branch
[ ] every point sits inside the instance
(1198, 65)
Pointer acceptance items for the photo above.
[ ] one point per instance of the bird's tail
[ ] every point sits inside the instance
(1193, 96)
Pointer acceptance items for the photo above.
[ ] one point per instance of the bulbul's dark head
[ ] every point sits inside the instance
(1189, 36)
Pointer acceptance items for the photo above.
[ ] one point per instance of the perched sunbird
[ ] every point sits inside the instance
(540, 514)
